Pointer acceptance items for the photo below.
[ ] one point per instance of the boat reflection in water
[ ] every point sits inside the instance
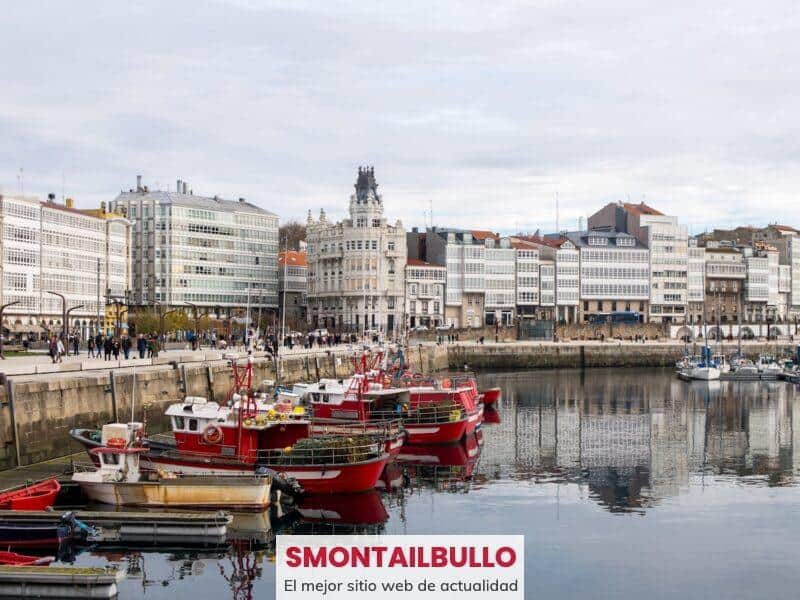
(444, 467)
(635, 440)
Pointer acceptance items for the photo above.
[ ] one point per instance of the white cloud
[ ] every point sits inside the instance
(487, 113)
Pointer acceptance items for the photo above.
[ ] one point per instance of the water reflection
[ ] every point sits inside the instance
(636, 437)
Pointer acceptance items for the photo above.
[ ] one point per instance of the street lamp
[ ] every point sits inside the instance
(2, 309)
(65, 314)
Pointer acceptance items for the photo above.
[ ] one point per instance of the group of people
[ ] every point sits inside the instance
(108, 347)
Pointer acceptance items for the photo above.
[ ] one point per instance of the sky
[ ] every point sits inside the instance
(483, 112)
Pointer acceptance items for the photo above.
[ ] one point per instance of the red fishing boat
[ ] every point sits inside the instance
(362, 398)
(37, 496)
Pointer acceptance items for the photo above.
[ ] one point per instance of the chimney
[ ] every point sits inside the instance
(179, 187)
(51, 198)
(241, 200)
(184, 187)
(69, 203)
(103, 207)
(138, 183)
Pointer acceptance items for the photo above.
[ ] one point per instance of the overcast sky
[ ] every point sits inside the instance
(485, 112)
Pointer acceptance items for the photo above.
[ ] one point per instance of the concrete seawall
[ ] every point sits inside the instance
(589, 354)
(45, 407)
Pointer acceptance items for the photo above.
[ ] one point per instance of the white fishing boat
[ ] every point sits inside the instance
(721, 363)
(704, 372)
(119, 481)
(767, 365)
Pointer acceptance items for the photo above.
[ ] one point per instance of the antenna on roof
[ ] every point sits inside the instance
(557, 230)
(430, 200)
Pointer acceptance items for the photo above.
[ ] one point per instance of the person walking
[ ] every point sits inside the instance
(90, 347)
(76, 344)
(52, 348)
(115, 348)
(59, 349)
(107, 348)
(98, 343)
(141, 345)
(150, 347)
(126, 346)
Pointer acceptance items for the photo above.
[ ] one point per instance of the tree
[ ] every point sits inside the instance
(291, 234)
(144, 321)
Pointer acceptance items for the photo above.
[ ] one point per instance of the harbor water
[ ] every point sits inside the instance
(625, 483)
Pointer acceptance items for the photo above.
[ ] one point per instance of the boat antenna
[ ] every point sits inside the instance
(133, 395)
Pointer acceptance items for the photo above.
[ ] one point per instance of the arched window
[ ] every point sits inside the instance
(391, 266)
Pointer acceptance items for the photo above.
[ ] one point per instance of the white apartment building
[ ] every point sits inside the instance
(425, 295)
(293, 288)
(667, 241)
(695, 280)
(463, 253)
(501, 281)
(527, 260)
(218, 254)
(547, 287)
(614, 272)
(784, 291)
(53, 247)
(356, 267)
(565, 257)
(756, 288)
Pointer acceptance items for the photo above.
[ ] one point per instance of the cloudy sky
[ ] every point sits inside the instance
(485, 111)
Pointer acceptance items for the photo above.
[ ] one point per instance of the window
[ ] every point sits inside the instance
(376, 222)
(178, 423)
(391, 245)
(192, 424)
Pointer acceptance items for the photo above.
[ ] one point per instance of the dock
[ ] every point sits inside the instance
(59, 582)
(150, 528)
(733, 376)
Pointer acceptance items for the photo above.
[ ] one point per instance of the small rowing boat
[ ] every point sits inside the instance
(38, 496)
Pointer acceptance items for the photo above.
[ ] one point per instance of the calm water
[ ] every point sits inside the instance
(626, 484)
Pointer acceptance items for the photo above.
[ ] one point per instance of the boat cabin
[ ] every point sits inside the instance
(206, 427)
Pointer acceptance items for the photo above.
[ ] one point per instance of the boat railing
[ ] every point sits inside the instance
(324, 450)
(433, 413)
(385, 427)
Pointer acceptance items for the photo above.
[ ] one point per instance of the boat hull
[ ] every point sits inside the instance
(33, 535)
(491, 396)
(315, 479)
(437, 433)
(205, 492)
(39, 496)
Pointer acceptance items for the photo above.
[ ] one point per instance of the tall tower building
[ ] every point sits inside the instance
(356, 266)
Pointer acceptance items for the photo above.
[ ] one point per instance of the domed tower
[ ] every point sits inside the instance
(366, 204)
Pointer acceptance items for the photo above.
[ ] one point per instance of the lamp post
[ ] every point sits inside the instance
(65, 314)
(2, 309)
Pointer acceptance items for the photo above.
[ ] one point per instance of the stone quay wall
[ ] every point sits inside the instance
(591, 354)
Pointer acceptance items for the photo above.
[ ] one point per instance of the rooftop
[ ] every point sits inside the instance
(581, 238)
(195, 201)
(640, 209)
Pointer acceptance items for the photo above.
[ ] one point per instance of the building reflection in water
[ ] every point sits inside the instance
(635, 437)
